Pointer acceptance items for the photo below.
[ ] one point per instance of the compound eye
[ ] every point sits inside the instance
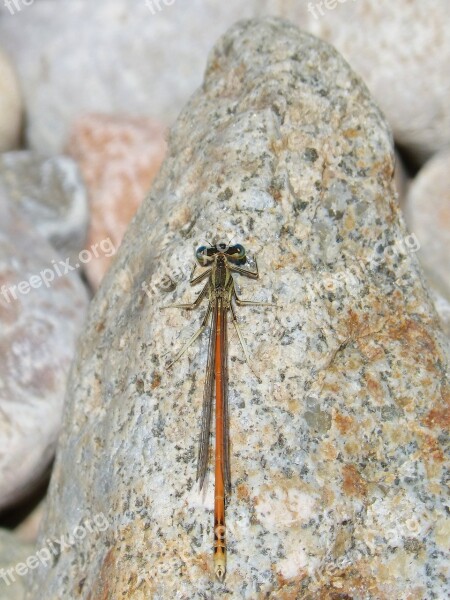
(237, 253)
(201, 255)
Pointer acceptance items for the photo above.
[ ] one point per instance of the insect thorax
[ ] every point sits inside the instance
(221, 278)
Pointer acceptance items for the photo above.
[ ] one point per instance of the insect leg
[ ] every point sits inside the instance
(190, 305)
(193, 338)
(243, 344)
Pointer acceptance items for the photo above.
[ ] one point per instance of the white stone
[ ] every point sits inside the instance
(427, 213)
(128, 61)
(40, 323)
(50, 193)
(10, 104)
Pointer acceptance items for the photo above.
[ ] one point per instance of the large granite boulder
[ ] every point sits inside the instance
(337, 454)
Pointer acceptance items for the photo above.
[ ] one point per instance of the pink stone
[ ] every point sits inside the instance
(119, 158)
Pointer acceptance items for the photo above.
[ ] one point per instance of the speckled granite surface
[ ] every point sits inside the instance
(338, 458)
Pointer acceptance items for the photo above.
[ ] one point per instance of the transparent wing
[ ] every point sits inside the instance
(208, 397)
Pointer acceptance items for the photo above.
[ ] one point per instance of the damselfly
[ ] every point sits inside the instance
(220, 262)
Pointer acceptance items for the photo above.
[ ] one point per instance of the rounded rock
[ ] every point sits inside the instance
(50, 193)
(41, 313)
(119, 157)
(10, 105)
(427, 213)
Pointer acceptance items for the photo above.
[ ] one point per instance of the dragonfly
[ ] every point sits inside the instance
(220, 262)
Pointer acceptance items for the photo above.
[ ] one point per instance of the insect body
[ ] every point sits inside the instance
(220, 262)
